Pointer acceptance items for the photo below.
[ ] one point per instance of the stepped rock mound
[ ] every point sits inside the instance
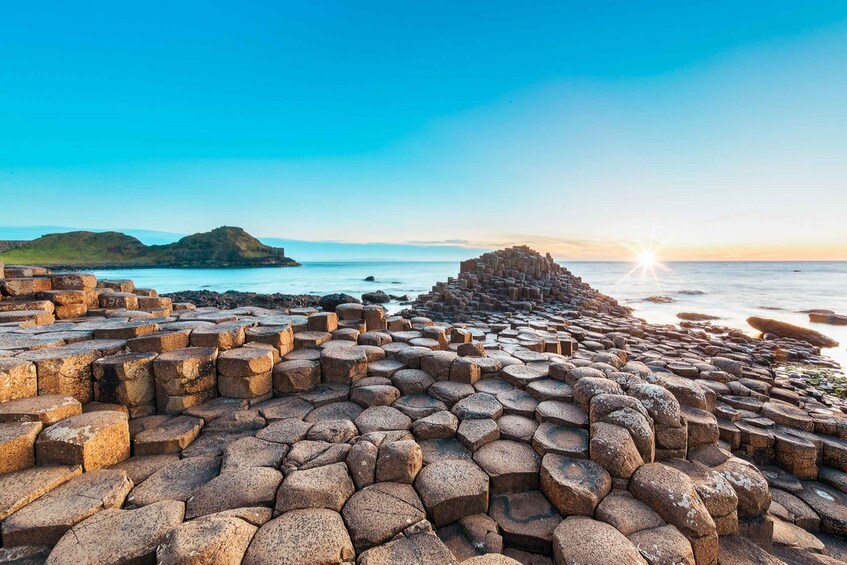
(512, 279)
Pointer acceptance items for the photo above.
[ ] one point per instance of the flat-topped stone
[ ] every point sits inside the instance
(17, 379)
(17, 445)
(118, 536)
(451, 489)
(378, 512)
(19, 488)
(582, 540)
(236, 488)
(574, 486)
(512, 466)
(172, 436)
(526, 520)
(94, 440)
(175, 481)
(301, 537)
(216, 539)
(44, 521)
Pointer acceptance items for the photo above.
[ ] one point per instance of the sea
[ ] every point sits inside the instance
(732, 291)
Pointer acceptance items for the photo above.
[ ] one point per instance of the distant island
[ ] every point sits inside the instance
(222, 247)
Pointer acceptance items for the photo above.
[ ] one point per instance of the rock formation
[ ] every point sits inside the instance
(542, 424)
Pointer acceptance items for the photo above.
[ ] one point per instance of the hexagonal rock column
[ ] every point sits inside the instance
(314, 535)
(17, 379)
(63, 370)
(210, 539)
(526, 520)
(452, 489)
(93, 440)
(511, 465)
(672, 495)
(280, 337)
(172, 436)
(118, 536)
(236, 488)
(245, 372)
(343, 365)
(44, 521)
(328, 486)
(380, 511)
(185, 378)
(47, 409)
(17, 445)
(589, 542)
(221, 336)
(126, 379)
(296, 376)
(574, 486)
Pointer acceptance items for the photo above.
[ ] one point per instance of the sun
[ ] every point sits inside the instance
(647, 259)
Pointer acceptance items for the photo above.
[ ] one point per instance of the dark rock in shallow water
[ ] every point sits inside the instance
(691, 292)
(402, 298)
(784, 329)
(235, 299)
(659, 299)
(370, 278)
(330, 301)
(696, 317)
(827, 317)
(378, 297)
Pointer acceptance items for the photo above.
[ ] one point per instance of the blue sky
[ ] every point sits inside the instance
(585, 129)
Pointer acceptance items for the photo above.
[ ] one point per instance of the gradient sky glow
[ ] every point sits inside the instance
(584, 129)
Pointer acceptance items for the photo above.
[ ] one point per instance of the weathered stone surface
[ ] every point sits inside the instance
(512, 466)
(829, 503)
(398, 461)
(574, 486)
(613, 448)
(211, 539)
(235, 488)
(17, 379)
(663, 545)
(139, 469)
(526, 520)
(44, 521)
(172, 436)
(93, 440)
(253, 452)
(301, 537)
(175, 481)
(381, 419)
(418, 549)
(451, 489)
(328, 487)
(626, 513)
(583, 540)
(343, 365)
(19, 488)
(64, 371)
(118, 536)
(17, 445)
(672, 495)
(296, 375)
(380, 511)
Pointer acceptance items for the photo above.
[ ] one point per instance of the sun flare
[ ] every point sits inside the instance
(647, 259)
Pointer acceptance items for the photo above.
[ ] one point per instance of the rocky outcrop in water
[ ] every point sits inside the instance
(784, 329)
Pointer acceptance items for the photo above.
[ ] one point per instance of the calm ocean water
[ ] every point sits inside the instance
(731, 290)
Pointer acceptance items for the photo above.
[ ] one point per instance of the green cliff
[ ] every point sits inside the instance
(221, 247)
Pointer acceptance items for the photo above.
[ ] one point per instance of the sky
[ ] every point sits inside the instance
(702, 130)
